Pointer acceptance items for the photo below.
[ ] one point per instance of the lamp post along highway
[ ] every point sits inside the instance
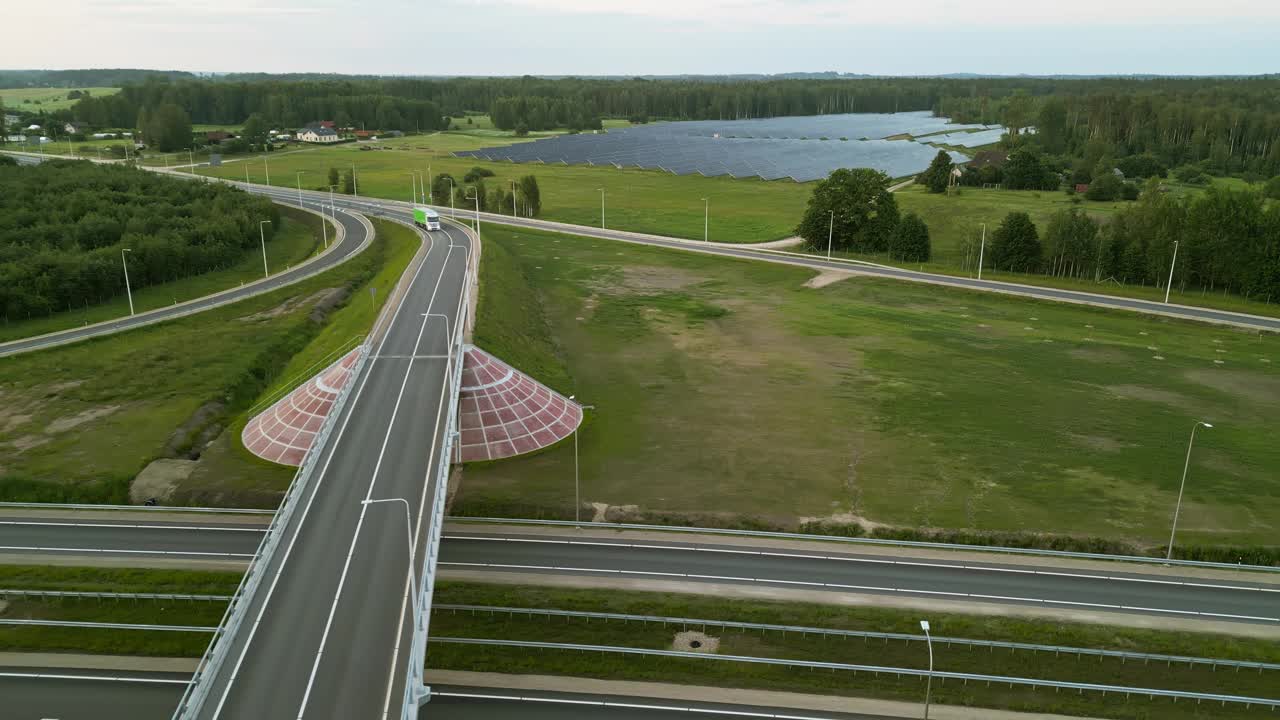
(1178, 508)
(298, 177)
(355, 186)
(413, 573)
(577, 493)
(514, 212)
(191, 158)
(430, 189)
(981, 249)
(706, 219)
(453, 213)
(831, 226)
(601, 207)
(413, 191)
(928, 688)
(1169, 285)
(266, 170)
(127, 290)
(263, 237)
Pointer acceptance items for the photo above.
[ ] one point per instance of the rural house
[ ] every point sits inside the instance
(318, 135)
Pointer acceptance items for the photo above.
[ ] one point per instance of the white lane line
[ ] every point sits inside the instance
(32, 548)
(315, 489)
(422, 499)
(625, 705)
(874, 561)
(908, 591)
(96, 678)
(364, 508)
(124, 526)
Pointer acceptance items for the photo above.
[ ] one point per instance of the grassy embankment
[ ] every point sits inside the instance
(728, 392)
(79, 422)
(844, 650)
(299, 238)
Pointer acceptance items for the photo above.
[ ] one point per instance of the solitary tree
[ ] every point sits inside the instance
(858, 207)
(938, 176)
(348, 182)
(1016, 244)
(440, 186)
(530, 195)
(166, 128)
(334, 176)
(910, 241)
(254, 131)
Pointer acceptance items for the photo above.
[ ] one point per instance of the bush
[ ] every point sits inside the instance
(1107, 186)
(1272, 188)
(1191, 175)
(476, 173)
(1129, 191)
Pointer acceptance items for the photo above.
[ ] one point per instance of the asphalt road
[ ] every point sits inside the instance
(323, 635)
(853, 571)
(356, 238)
(87, 695)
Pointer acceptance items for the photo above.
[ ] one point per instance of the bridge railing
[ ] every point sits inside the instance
(216, 654)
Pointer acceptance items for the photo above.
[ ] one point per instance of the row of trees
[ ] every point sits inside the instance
(523, 199)
(853, 210)
(1227, 240)
(537, 113)
(63, 226)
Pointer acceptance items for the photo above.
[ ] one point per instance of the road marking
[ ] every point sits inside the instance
(626, 705)
(96, 678)
(876, 561)
(131, 527)
(908, 591)
(364, 508)
(32, 548)
(350, 410)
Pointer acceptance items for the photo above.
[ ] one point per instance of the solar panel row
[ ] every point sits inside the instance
(713, 147)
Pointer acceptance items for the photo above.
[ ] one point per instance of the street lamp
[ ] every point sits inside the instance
(1169, 286)
(477, 199)
(191, 158)
(298, 177)
(982, 249)
(413, 572)
(266, 169)
(355, 186)
(514, 211)
(577, 495)
(831, 227)
(452, 212)
(928, 688)
(706, 219)
(263, 236)
(127, 290)
(413, 187)
(1178, 507)
(601, 207)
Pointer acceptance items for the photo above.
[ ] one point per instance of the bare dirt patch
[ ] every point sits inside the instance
(159, 479)
(647, 278)
(294, 303)
(694, 641)
(1250, 386)
(11, 421)
(1148, 394)
(26, 442)
(64, 424)
(845, 518)
(1096, 442)
(828, 277)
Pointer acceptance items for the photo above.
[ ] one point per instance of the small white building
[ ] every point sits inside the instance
(318, 135)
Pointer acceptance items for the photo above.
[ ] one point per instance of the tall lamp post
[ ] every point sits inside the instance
(1169, 285)
(127, 290)
(191, 158)
(577, 494)
(1178, 508)
(601, 207)
(453, 213)
(706, 219)
(477, 199)
(298, 177)
(831, 226)
(266, 169)
(982, 249)
(413, 193)
(262, 235)
(928, 688)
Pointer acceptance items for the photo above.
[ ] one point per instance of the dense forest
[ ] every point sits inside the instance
(63, 226)
(1231, 124)
(83, 78)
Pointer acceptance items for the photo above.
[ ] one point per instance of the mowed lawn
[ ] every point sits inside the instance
(638, 200)
(729, 387)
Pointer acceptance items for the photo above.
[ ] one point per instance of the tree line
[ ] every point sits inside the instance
(853, 211)
(64, 224)
(1226, 241)
(524, 198)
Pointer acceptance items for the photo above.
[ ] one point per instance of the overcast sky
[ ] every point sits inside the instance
(631, 37)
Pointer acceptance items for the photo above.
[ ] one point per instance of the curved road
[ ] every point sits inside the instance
(706, 562)
(355, 237)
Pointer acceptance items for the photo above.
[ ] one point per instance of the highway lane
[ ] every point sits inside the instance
(87, 695)
(355, 238)
(706, 561)
(323, 634)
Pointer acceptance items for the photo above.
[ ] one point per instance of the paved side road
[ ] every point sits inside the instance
(355, 237)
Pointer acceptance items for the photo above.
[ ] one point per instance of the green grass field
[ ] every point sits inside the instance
(78, 422)
(798, 646)
(298, 239)
(46, 99)
(729, 389)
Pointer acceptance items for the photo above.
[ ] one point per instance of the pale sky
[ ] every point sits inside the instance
(632, 37)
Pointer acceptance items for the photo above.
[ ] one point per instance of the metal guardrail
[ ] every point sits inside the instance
(1272, 703)
(833, 632)
(869, 541)
(216, 653)
(652, 707)
(144, 508)
(11, 592)
(107, 625)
